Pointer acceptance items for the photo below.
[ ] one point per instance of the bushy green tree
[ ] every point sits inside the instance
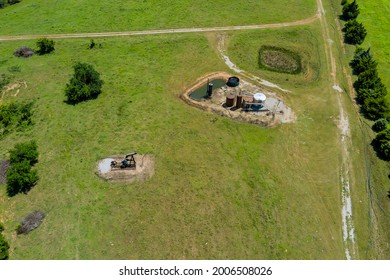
(4, 247)
(362, 61)
(381, 144)
(368, 79)
(20, 178)
(375, 108)
(354, 32)
(44, 46)
(378, 90)
(27, 151)
(380, 125)
(84, 85)
(350, 11)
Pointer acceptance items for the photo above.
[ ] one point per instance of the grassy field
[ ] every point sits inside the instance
(375, 171)
(375, 17)
(45, 17)
(222, 190)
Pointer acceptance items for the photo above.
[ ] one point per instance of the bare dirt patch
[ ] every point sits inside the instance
(144, 169)
(273, 112)
(12, 89)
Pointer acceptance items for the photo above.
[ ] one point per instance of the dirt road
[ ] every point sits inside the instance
(162, 31)
(348, 229)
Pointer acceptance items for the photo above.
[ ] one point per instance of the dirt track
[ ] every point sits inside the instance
(162, 31)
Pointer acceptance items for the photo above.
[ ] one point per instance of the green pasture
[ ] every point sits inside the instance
(45, 17)
(375, 17)
(221, 189)
(371, 173)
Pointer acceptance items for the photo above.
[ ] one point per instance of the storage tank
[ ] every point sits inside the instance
(239, 101)
(233, 82)
(230, 99)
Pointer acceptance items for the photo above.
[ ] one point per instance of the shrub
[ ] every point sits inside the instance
(15, 115)
(362, 61)
(11, 2)
(368, 80)
(381, 144)
(375, 108)
(354, 32)
(92, 44)
(45, 46)
(84, 85)
(20, 178)
(350, 11)
(378, 90)
(23, 52)
(27, 151)
(380, 125)
(4, 246)
(1, 228)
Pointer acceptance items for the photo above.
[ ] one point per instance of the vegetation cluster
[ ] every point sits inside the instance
(20, 175)
(4, 246)
(15, 116)
(370, 90)
(279, 60)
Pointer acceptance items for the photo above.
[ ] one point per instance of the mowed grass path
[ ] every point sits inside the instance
(222, 189)
(70, 16)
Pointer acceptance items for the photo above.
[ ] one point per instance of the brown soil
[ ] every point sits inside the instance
(266, 117)
(144, 169)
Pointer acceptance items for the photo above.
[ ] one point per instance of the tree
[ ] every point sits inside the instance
(368, 79)
(378, 90)
(4, 246)
(380, 125)
(27, 151)
(354, 32)
(350, 11)
(362, 61)
(343, 2)
(20, 178)
(381, 144)
(375, 108)
(84, 85)
(45, 46)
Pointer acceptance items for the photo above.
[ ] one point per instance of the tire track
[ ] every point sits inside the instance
(161, 31)
(350, 248)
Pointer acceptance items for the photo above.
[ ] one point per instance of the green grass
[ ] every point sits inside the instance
(43, 17)
(279, 59)
(375, 17)
(222, 190)
(373, 226)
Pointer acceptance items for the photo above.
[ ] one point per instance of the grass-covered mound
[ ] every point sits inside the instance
(279, 60)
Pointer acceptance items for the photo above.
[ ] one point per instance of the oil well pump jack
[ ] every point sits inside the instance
(128, 162)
